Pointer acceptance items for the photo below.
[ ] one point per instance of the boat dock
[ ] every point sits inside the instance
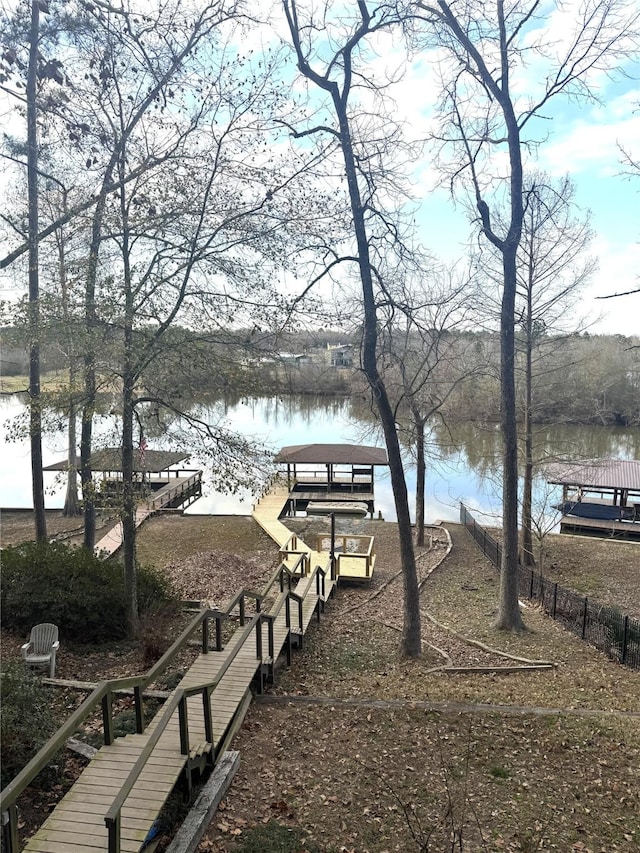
(600, 497)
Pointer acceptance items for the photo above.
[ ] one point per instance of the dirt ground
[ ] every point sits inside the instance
(355, 749)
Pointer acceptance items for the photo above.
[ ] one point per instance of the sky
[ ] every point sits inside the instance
(577, 137)
(582, 140)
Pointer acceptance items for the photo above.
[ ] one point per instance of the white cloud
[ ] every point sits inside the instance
(618, 273)
(592, 143)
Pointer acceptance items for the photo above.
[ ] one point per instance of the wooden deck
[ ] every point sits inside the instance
(175, 488)
(357, 567)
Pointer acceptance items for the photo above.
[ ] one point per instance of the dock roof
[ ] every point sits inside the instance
(596, 474)
(332, 454)
(110, 459)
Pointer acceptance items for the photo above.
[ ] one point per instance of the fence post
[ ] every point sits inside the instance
(584, 617)
(625, 639)
(555, 599)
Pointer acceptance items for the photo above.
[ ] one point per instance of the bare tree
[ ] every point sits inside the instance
(421, 347)
(35, 400)
(553, 268)
(337, 74)
(487, 46)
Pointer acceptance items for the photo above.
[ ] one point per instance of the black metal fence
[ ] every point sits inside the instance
(604, 627)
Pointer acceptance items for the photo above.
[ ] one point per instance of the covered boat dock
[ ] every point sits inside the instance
(331, 478)
(600, 497)
(156, 476)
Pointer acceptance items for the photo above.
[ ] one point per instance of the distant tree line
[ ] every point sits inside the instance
(577, 379)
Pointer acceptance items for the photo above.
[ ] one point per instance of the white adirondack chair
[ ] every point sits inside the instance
(42, 647)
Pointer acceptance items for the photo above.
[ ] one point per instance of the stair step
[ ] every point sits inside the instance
(200, 750)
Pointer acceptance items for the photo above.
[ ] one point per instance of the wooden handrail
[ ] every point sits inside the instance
(105, 690)
(12, 791)
(112, 818)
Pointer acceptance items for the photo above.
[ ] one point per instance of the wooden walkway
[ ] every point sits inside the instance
(176, 487)
(355, 567)
(78, 821)
(116, 799)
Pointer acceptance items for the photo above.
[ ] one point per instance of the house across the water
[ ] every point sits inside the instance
(600, 497)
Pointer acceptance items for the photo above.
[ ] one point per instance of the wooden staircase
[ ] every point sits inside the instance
(116, 799)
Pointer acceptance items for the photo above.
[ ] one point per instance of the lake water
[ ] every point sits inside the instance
(463, 463)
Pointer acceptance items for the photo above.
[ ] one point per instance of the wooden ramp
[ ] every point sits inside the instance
(115, 801)
(165, 496)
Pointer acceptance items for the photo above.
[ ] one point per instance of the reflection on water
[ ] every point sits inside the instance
(463, 459)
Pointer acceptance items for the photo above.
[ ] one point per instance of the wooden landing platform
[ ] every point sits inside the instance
(350, 566)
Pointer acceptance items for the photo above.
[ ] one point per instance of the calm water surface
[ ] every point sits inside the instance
(463, 462)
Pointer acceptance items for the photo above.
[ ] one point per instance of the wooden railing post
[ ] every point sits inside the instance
(241, 611)
(10, 829)
(107, 722)
(139, 708)
(184, 726)
(259, 639)
(218, 633)
(205, 636)
(208, 716)
(113, 833)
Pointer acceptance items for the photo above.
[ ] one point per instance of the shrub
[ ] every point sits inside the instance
(27, 720)
(71, 587)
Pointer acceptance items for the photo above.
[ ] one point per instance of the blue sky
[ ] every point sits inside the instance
(581, 140)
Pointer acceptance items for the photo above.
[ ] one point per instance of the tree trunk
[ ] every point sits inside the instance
(128, 511)
(527, 486)
(35, 398)
(71, 504)
(421, 470)
(509, 616)
(86, 441)
(88, 409)
(411, 645)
